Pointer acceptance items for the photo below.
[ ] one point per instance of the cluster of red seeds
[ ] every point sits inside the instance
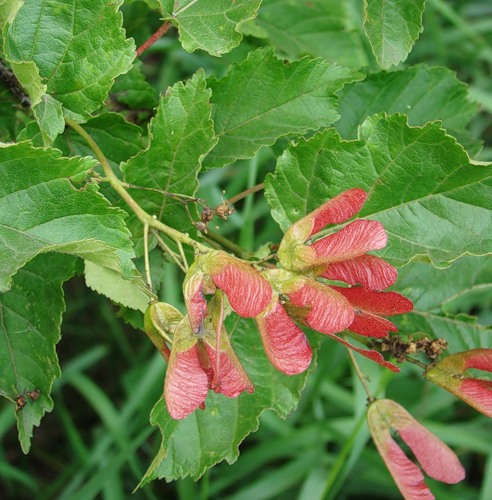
(296, 293)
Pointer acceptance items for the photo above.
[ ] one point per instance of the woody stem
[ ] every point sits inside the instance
(160, 32)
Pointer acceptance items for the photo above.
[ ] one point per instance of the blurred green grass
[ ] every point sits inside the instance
(97, 443)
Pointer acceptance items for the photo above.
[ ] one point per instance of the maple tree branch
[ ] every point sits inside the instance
(160, 32)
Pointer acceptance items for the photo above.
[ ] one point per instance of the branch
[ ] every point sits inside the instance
(160, 32)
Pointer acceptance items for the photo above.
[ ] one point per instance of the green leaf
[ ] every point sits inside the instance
(181, 134)
(210, 25)
(132, 90)
(49, 114)
(321, 28)
(152, 4)
(118, 139)
(432, 290)
(132, 294)
(8, 9)
(264, 98)
(41, 211)
(434, 204)
(392, 27)
(52, 38)
(27, 74)
(30, 319)
(207, 437)
(422, 92)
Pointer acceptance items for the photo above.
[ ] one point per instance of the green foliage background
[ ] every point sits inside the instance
(97, 441)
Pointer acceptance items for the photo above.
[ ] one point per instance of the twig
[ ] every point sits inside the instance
(362, 378)
(160, 32)
(227, 244)
(183, 256)
(247, 192)
(172, 254)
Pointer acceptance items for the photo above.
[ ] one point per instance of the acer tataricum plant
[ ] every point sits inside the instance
(371, 175)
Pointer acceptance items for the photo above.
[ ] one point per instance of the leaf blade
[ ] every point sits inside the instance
(210, 25)
(433, 202)
(434, 290)
(41, 211)
(423, 93)
(322, 28)
(302, 93)
(72, 72)
(181, 135)
(31, 314)
(392, 27)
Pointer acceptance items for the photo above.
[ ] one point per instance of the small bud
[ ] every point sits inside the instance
(20, 403)
(224, 210)
(34, 394)
(207, 215)
(201, 226)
